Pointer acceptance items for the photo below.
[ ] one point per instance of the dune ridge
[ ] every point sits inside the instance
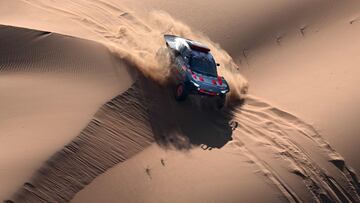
(51, 86)
(24, 49)
(291, 138)
(118, 130)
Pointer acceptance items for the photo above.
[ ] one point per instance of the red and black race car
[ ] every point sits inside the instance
(194, 70)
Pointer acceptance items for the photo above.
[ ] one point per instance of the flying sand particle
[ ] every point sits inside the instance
(245, 52)
(355, 20)
(148, 172)
(302, 30)
(279, 39)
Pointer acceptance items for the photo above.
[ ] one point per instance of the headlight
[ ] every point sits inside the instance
(196, 85)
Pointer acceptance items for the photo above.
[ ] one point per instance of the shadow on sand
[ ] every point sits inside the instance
(186, 124)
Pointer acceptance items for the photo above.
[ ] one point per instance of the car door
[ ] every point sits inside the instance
(180, 72)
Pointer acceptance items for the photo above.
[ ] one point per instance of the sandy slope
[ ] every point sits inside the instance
(51, 85)
(280, 146)
(119, 130)
(236, 25)
(194, 176)
(320, 72)
(21, 14)
(287, 152)
(313, 72)
(284, 149)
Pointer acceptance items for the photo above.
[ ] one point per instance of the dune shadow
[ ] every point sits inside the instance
(186, 124)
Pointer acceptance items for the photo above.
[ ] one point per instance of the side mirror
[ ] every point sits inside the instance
(217, 64)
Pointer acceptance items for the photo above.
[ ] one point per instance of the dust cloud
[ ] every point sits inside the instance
(139, 39)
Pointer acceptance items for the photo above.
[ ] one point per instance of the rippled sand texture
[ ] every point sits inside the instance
(51, 86)
(118, 130)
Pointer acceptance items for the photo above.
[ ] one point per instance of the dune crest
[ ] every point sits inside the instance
(264, 129)
(118, 130)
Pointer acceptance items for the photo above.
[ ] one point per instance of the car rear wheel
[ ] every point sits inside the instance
(180, 92)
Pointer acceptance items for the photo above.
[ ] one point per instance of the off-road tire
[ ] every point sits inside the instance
(180, 92)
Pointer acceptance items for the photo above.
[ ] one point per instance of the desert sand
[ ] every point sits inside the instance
(51, 87)
(86, 115)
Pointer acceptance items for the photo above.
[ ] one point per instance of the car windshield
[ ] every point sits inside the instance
(203, 63)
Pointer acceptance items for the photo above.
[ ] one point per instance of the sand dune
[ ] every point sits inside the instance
(51, 85)
(319, 71)
(280, 154)
(194, 176)
(118, 130)
(285, 149)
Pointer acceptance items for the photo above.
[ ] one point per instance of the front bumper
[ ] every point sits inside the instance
(206, 90)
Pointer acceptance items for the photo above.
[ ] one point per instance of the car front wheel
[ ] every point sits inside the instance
(180, 92)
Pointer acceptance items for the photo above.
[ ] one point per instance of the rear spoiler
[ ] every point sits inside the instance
(172, 42)
(197, 46)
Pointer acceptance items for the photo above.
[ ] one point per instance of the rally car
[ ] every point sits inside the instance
(194, 70)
